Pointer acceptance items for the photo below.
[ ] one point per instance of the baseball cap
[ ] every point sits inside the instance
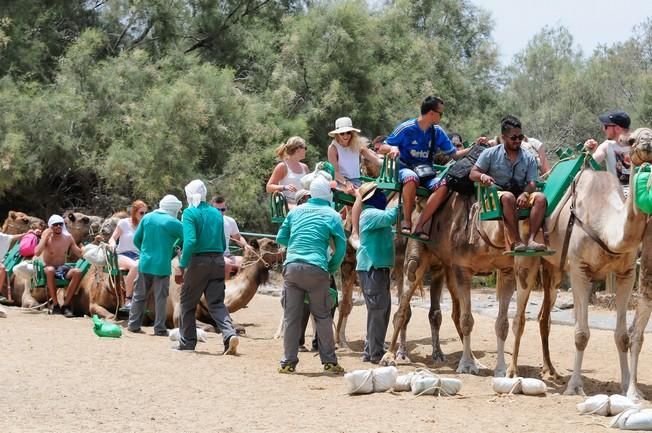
(616, 117)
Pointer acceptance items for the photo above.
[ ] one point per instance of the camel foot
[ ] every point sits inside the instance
(512, 371)
(634, 394)
(388, 360)
(550, 374)
(402, 356)
(574, 388)
(469, 366)
(412, 266)
(438, 356)
(500, 372)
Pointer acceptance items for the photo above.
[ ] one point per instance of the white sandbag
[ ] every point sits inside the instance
(202, 336)
(506, 385)
(449, 385)
(533, 386)
(424, 385)
(633, 419)
(95, 254)
(619, 403)
(24, 269)
(3, 312)
(384, 378)
(359, 382)
(598, 405)
(403, 382)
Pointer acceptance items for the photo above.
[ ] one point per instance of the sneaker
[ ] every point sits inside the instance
(231, 345)
(329, 367)
(136, 331)
(287, 368)
(366, 358)
(56, 309)
(67, 311)
(179, 348)
(162, 333)
(303, 348)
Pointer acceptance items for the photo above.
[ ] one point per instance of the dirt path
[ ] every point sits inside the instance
(57, 376)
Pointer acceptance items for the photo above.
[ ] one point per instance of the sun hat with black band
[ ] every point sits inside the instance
(616, 117)
(367, 190)
(342, 125)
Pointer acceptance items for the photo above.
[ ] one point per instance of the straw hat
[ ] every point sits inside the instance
(301, 194)
(343, 124)
(367, 190)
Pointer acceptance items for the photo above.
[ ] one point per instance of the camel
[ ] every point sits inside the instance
(608, 218)
(254, 272)
(82, 227)
(19, 222)
(459, 248)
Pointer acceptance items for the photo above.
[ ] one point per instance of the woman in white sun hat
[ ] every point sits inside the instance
(344, 153)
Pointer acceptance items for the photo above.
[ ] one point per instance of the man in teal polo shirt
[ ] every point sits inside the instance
(375, 258)
(202, 269)
(155, 238)
(307, 231)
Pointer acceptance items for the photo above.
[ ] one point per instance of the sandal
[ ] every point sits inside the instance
(406, 229)
(422, 236)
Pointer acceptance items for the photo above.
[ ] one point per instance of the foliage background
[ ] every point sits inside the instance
(102, 102)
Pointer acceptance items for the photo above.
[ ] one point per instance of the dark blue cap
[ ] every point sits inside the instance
(616, 117)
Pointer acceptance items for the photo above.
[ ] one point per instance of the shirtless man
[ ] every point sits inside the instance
(53, 249)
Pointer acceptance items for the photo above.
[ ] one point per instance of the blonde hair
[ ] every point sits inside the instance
(357, 141)
(289, 147)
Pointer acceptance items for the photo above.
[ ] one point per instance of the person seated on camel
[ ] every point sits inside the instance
(416, 141)
(514, 171)
(5, 242)
(53, 249)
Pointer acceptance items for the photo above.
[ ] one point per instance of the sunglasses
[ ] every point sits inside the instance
(141, 213)
(441, 113)
(607, 126)
(517, 137)
(222, 209)
(57, 225)
(345, 133)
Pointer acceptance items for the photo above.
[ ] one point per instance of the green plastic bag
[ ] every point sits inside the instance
(105, 329)
(642, 191)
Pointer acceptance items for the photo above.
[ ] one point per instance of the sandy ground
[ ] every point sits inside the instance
(57, 376)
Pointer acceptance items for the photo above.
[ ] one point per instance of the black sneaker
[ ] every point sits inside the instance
(56, 309)
(67, 311)
(162, 333)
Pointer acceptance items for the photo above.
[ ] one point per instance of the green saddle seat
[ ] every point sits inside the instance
(388, 179)
(278, 206)
(40, 279)
(12, 258)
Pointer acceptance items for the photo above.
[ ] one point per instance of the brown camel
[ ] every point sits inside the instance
(459, 248)
(253, 273)
(602, 216)
(82, 227)
(19, 222)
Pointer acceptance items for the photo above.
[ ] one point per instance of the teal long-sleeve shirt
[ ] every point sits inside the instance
(203, 232)
(307, 231)
(376, 238)
(155, 238)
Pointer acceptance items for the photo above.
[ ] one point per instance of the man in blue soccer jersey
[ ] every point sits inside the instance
(415, 142)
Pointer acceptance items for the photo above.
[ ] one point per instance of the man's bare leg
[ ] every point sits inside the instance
(537, 214)
(508, 203)
(74, 275)
(409, 197)
(434, 202)
(52, 288)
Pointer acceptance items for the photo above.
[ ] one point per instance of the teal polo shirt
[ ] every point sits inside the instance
(376, 238)
(307, 231)
(203, 232)
(155, 238)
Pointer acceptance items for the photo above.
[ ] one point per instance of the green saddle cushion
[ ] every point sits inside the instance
(642, 190)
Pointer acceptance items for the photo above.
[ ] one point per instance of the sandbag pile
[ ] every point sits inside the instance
(633, 419)
(373, 380)
(519, 385)
(605, 405)
(424, 382)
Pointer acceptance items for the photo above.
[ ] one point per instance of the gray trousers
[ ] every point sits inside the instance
(299, 279)
(145, 283)
(375, 288)
(204, 275)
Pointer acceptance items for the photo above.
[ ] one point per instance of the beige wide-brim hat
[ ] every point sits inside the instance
(367, 190)
(299, 195)
(343, 124)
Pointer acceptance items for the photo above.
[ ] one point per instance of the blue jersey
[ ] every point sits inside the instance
(414, 143)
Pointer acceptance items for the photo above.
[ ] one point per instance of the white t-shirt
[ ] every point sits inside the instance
(5, 240)
(230, 229)
(126, 239)
(616, 158)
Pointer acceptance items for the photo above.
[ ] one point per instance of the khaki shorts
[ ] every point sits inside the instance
(530, 200)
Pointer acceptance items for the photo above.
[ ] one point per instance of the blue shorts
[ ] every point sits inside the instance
(60, 272)
(406, 175)
(130, 254)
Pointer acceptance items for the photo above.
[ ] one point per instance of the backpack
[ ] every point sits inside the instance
(28, 245)
(457, 178)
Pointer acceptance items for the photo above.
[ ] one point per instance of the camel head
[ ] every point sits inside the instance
(266, 250)
(109, 224)
(82, 227)
(19, 222)
(641, 142)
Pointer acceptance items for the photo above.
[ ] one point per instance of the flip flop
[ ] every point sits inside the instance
(422, 236)
(406, 230)
(535, 246)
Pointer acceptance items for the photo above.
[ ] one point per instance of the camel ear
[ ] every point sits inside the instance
(12, 215)
(254, 243)
(71, 217)
(25, 220)
(86, 220)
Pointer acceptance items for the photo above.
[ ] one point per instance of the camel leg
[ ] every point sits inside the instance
(637, 332)
(624, 287)
(468, 363)
(280, 331)
(102, 312)
(551, 280)
(581, 292)
(504, 290)
(526, 273)
(434, 315)
(413, 252)
(345, 306)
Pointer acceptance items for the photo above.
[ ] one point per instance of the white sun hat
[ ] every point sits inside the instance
(343, 124)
